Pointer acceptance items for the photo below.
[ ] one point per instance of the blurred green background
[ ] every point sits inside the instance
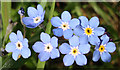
(107, 12)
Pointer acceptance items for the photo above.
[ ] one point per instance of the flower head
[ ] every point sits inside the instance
(18, 46)
(21, 11)
(47, 48)
(89, 30)
(64, 25)
(103, 48)
(35, 18)
(74, 52)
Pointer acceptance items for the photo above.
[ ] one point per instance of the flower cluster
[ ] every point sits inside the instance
(79, 32)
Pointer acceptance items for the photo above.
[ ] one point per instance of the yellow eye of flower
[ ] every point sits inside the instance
(88, 31)
(48, 47)
(74, 51)
(37, 19)
(64, 26)
(19, 45)
(101, 48)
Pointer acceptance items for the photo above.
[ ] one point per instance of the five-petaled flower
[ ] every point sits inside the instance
(36, 17)
(74, 51)
(65, 25)
(89, 30)
(102, 49)
(18, 46)
(47, 48)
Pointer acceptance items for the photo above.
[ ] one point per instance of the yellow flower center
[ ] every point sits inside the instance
(37, 19)
(64, 26)
(74, 51)
(48, 47)
(19, 45)
(88, 31)
(101, 48)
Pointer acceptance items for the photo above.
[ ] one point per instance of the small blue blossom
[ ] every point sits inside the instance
(64, 25)
(21, 11)
(74, 52)
(36, 17)
(47, 48)
(103, 48)
(18, 46)
(89, 30)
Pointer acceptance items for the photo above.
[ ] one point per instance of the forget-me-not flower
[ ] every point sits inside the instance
(102, 49)
(18, 46)
(36, 17)
(74, 52)
(89, 30)
(64, 25)
(47, 48)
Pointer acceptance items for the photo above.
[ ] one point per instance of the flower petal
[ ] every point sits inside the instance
(65, 16)
(56, 21)
(15, 55)
(106, 57)
(58, 32)
(38, 47)
(78, 30)
(99, 31)
(10, 47)
(83, 39)
(93, 39)
(19, 35)
(94, 22)
(40, 9)
(81, 60)
(44, 56)
(74, 41)
(68, 60)
(74, 22)
(68, 34)
(25, 42)
(110, 47)
(25, 52)
(54, 41)
(64, 48)
(96, 56)
(84, 21)
(13, 37)
(84, 49)
(104, 39)
(55, 53)
(45, 37)
(32, 12)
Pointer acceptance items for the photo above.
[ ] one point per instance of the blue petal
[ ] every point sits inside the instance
(68, 60)
(15, 55)
(67, 33)
(13, 37)
(25, 42)
(99, 31)
(58, 32)
(32, 12)
(81, 60)
(106, 57)
(25, 52)
(19, 35)
(64, 48)
(96, 56)
(104, 39)
(93, 39)
(84, 49)
(84, 21)
(65, 16)
(38, 47)
(110, 47)
(10, 47)
(54, 41)
(74, 22)
(94, 22)
(45, 37)
(83, 39)
(56, 21)
(78, 30)
(42, 16)
(40, 9)
(74, 41)
(55, 53)
(44, 56)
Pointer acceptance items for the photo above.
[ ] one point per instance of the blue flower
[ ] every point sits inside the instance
(89, 30)
(47, 48)
(21, 11)
(102, 49)
(35, 18)
(65, 25)
(18, 46)
(74, 52)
